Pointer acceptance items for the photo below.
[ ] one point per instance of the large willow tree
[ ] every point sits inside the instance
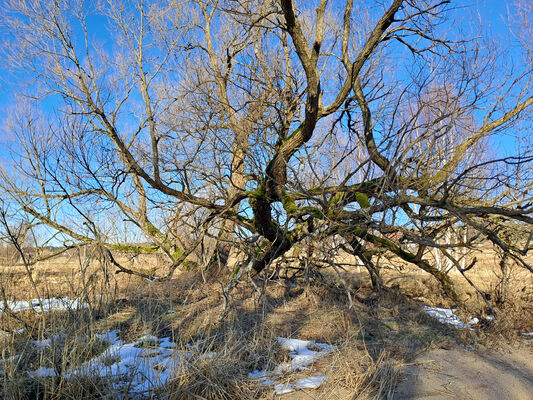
(265, 125)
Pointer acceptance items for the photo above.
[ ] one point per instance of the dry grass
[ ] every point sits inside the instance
(221, 377)
(373, 339)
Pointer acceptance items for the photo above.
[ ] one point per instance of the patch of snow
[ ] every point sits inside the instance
(48, 342)
(143, 365)
(144, 368)
(43, 372)
(150, 362)
(42, 343)
(53, 304)
(110, 337)
(256, 374)
(165, 343)
(147, 341)
(447, 316)
(311, 383)
(527, 334)
(294, 344)
(303, 354)
(282, 388)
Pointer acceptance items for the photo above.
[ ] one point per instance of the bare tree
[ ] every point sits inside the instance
(265, 124)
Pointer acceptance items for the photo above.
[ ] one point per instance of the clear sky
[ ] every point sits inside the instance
(494, 14)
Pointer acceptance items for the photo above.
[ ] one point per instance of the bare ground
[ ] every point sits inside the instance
(459, 373)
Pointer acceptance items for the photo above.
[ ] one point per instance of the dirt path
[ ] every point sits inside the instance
(469, 375)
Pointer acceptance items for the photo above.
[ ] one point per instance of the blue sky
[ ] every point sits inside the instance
(493, 13)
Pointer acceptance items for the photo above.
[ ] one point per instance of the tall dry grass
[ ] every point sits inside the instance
(373, 338)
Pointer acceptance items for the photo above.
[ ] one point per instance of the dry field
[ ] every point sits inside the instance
(206, 352)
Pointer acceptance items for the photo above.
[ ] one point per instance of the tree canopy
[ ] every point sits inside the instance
(191, 127)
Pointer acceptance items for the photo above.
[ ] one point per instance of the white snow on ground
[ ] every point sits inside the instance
(447, 316)
(110, 337)
(42, 343)
(303, 354)
(305, 383)
(53, 304)
(142, 365)
(44, 371)
(150, 362)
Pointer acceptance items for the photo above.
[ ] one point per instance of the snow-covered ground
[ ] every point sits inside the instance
(303, 354)
(150, 362)
(53, 304)
(142, 365)
(447, 316)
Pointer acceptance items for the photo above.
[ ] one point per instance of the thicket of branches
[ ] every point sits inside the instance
(191, 127)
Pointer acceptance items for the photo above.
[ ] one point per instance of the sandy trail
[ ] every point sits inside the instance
(469, 375)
